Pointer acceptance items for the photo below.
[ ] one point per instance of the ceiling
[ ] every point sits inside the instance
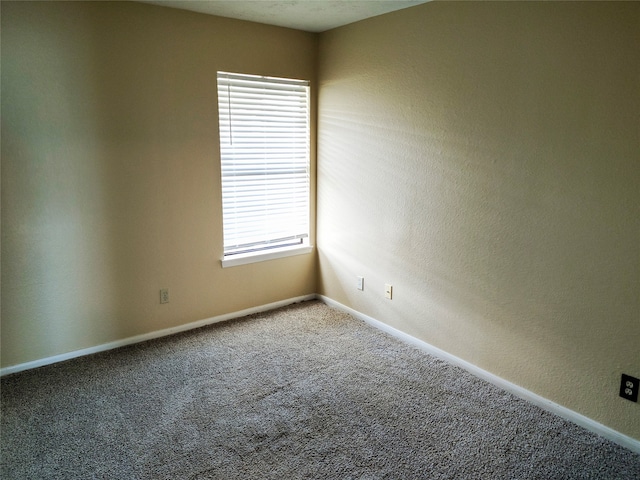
(308, 15)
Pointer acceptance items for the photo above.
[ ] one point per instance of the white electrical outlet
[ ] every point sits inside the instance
(360, 283)
(388, 291)
(164, 295)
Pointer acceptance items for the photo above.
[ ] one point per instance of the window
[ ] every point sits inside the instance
(264, 150)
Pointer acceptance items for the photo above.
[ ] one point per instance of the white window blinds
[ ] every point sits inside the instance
(264, 147)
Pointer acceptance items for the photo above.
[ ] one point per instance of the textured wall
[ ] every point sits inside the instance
(484, 158)
(110, 171)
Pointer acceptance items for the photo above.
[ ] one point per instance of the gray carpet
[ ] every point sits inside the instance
(301, 392)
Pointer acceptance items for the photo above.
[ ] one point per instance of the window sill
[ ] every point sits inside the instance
(243, 259)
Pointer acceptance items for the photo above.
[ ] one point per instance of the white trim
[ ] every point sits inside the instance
(151, 335)
(264, 255)
(563, 412)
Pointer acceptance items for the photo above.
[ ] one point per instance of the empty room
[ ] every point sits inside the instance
(320, 239)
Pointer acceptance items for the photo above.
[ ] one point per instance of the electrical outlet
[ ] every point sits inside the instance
(388, 291)
(629, 387)
(360, 283)
(164, 295)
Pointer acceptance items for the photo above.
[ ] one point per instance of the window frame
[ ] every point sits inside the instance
(246, 253)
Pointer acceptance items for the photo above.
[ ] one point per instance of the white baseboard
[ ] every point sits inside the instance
(585, 422)
(563, 412)
(151, 335)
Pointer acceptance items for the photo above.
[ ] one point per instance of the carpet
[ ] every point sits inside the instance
(302, 392)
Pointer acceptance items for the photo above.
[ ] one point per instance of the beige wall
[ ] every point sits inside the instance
(484, 158)
(110, 171)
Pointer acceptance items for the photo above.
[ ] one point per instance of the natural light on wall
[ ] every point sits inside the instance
(264, 150)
